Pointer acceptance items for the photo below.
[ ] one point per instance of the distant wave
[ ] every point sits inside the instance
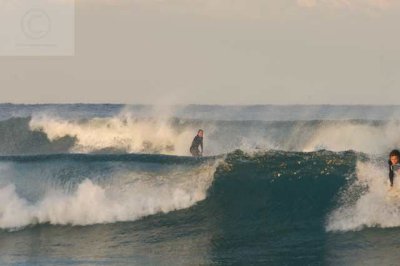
(125, 133)
(16, 137)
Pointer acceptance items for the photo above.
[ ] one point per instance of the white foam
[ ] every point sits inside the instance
(122, 132)
(374, 208)
(93, 203)
(137, 134)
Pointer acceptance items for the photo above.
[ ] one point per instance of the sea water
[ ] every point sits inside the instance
(279, 185)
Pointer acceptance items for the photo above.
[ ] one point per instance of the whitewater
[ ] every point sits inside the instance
(278, 185)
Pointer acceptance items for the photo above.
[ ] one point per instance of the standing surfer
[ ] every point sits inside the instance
(394, 165)
(197, 141)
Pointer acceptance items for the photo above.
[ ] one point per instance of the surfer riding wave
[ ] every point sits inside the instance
(196, 143)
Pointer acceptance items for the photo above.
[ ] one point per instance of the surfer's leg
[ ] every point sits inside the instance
(195, 152)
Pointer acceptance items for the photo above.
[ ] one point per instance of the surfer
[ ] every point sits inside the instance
(394, 165)
(197, 141)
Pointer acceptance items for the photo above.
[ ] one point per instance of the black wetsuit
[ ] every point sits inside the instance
(393, 170)
(194, 149)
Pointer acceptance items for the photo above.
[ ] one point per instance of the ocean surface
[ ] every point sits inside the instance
(278, 185)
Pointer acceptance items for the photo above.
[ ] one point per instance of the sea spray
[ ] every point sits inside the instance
(129, 133)
(121, 133)
(374, 206)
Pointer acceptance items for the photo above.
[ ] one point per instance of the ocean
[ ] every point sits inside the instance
(109, 184)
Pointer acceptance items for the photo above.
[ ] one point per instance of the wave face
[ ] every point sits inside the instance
(267, 203)
(281, 190)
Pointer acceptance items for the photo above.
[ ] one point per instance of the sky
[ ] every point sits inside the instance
(217, 52)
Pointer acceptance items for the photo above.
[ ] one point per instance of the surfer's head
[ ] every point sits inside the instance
(394, 156)
(200, 133)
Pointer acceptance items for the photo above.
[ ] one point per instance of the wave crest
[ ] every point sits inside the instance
(122, 196)
(367, 202)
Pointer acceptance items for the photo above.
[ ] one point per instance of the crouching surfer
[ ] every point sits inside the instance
(394, 165)
(197, 142)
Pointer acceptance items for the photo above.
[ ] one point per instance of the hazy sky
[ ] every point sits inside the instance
(219, 52)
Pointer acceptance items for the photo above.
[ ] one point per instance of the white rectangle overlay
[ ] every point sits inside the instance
(37, 27)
